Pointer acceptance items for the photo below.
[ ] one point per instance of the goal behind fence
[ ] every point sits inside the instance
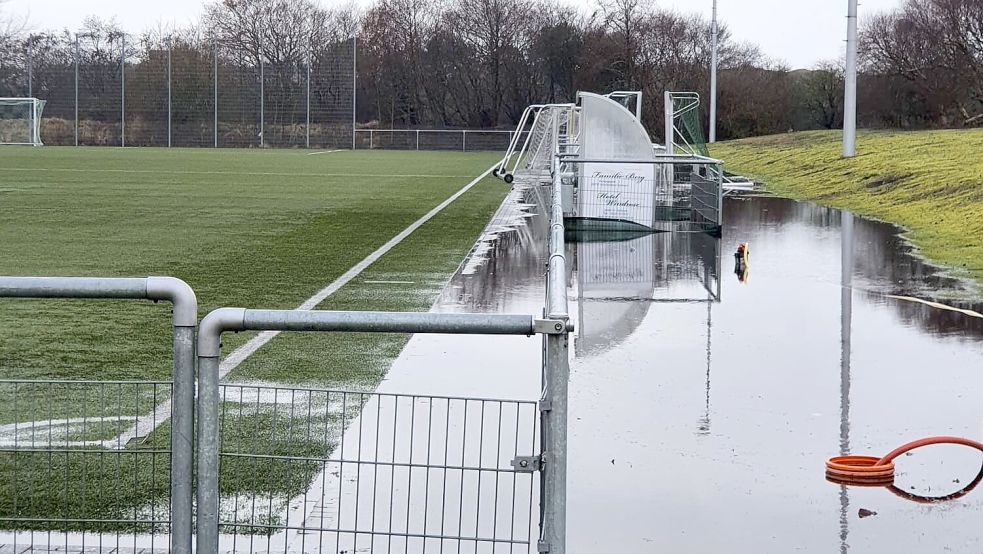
(20, 121)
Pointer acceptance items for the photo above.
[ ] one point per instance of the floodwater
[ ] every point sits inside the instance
(704, 403)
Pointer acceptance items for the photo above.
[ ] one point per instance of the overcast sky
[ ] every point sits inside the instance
(800, 32)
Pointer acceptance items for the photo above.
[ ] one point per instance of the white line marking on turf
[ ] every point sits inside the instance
(147, 424)
(323, 152)
(239, 173)
(389, 282)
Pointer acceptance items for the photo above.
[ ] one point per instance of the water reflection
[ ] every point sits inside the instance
(881, 262)
(616, 282)
(807, 359)
(846, 323)
(810, 363)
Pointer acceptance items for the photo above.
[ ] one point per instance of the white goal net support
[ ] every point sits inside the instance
(20, 121)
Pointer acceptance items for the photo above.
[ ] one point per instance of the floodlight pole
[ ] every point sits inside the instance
(714, 31)
(850, 101)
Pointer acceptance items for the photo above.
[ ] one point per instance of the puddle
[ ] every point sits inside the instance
(703, 407)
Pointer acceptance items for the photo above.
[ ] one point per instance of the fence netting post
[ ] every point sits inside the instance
(122, 90)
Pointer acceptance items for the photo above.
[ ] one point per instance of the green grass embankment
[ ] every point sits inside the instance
(930, 183)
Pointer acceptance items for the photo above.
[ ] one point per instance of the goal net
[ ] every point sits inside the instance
(20, 121)
(684, 124)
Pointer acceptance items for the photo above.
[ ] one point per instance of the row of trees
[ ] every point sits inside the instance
(479, 63)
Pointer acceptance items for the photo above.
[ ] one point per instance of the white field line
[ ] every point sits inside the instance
(323, 152)
(237, 173)
(148, 423)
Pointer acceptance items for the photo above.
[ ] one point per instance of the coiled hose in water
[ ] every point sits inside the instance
(869, 471)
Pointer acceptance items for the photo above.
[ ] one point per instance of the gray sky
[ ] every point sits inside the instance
(800, 32)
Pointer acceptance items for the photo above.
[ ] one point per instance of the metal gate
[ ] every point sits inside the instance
(103, 465)
(311, 470)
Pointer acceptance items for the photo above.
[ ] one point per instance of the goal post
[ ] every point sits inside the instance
(20, 121)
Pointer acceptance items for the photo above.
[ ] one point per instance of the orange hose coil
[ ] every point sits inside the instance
(871, 471)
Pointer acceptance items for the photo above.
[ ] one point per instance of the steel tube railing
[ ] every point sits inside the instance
(184, 320)
(556, 375)
(223, 320)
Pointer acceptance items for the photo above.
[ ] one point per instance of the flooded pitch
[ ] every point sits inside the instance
(704, 403)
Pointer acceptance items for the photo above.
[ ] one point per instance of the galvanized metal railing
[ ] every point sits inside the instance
(237, 319)
(556, 375)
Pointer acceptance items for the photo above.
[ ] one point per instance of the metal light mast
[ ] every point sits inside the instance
(713, 74)
(850, 101)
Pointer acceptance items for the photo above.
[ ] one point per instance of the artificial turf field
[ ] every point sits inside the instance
(246, 228)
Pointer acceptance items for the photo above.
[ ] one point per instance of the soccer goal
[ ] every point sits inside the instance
(20, 121)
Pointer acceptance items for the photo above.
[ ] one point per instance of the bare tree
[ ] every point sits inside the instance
(11, 26)
(936, 46)
(821, 93)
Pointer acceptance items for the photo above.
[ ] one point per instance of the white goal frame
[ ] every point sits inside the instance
(33, 110)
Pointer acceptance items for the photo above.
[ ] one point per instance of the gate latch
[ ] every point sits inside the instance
(527, 464)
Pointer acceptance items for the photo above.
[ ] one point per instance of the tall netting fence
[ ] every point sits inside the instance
(112, 89)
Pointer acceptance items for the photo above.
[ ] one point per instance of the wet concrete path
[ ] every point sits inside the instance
(704, 406)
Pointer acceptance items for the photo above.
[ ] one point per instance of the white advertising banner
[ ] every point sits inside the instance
(618, 192)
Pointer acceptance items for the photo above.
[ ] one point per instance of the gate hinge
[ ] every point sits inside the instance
(549, 326)
(543, 547)
(527, 464)
(545, 405)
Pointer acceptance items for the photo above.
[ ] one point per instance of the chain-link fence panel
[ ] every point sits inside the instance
(333, 95)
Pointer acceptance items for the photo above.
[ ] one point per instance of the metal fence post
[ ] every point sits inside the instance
(354, 88)
(77, 89)
(464, 141)
(308, 126)
(262, 100)
(30, 69)
(122, 91)
(417, 139)
(370, 138)
(170, 47)
(183, 320)
(556, 373)
(215, 94)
